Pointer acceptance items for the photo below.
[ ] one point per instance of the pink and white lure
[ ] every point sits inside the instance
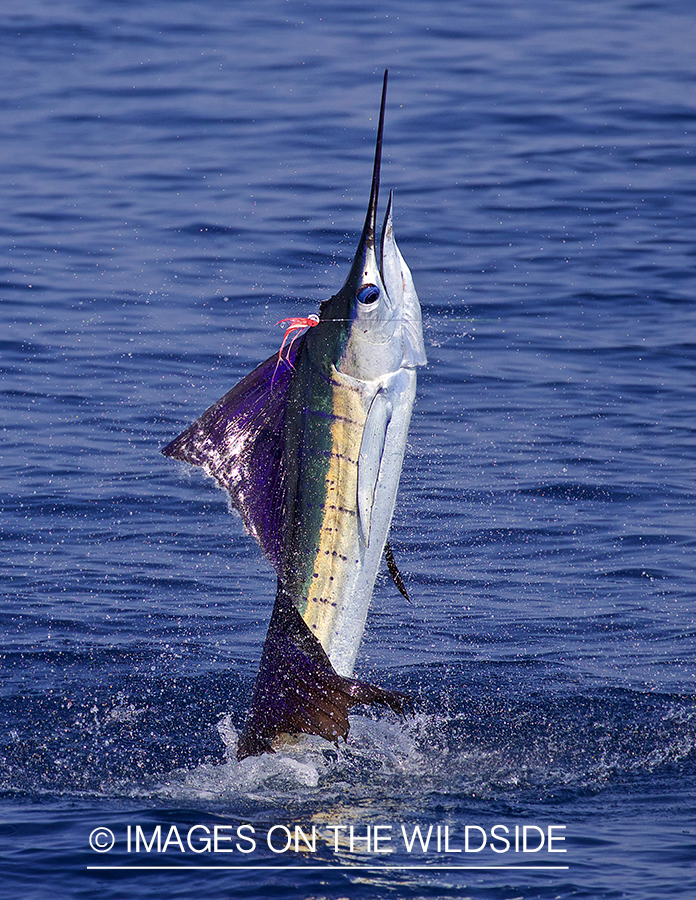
(297, 324)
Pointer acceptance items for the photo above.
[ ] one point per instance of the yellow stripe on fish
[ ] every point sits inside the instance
(338, 548)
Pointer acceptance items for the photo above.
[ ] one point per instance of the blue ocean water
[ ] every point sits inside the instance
(178, 176)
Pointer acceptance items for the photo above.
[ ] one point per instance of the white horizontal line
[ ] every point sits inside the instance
(431, 868)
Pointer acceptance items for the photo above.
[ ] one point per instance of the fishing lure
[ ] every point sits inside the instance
(298, 324)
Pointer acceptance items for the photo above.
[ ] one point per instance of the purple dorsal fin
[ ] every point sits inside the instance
(239, 442)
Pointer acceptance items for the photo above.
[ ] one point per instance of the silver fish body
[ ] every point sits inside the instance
(311, 452)
(355, 420)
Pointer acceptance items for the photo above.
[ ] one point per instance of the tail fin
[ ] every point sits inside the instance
(298, 690)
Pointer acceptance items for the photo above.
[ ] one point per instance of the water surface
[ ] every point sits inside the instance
(179, 176)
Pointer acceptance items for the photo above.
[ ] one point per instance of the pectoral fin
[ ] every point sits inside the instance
(370, 458)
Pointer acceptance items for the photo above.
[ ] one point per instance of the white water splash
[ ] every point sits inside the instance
(381, 745)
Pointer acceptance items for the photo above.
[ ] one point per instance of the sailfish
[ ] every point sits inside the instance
(310, 447)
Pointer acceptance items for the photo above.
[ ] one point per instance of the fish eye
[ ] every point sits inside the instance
(368, 293)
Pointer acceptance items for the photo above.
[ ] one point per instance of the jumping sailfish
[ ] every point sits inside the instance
(310, 447)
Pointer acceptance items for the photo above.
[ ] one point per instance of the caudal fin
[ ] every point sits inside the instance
(298, 690)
